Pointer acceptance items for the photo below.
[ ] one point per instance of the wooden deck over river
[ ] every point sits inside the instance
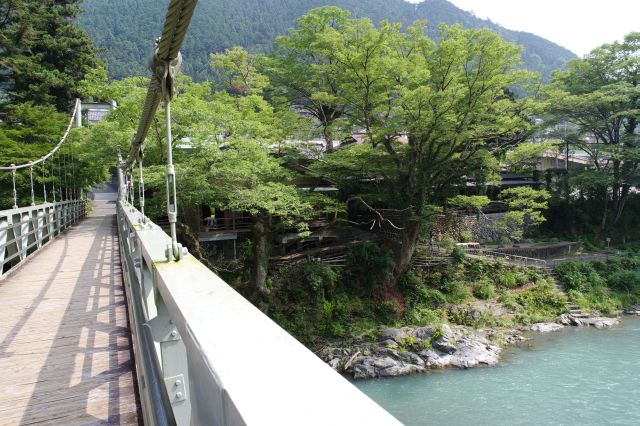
(65, 352)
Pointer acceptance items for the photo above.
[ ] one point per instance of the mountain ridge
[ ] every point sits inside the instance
(126, 29)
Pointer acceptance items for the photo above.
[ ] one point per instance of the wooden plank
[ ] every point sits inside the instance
(65, 348)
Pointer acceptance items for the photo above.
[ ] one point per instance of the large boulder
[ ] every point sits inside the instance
(395, 334)
(546, 327)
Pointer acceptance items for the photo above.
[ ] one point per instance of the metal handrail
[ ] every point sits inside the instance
(204, 336)
(26, 228)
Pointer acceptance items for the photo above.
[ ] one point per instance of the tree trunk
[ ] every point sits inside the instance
(616, 185)
(403, 252)
(328, 140)
(603, 223)
(260, 263)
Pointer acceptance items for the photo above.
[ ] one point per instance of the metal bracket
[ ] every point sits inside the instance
(163, 330)
(176, 389)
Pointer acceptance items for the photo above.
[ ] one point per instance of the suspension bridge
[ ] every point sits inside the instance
(109, 320)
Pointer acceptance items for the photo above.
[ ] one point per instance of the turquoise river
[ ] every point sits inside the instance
(577, 376)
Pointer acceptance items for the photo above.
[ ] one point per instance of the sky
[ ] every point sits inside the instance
(578, 25)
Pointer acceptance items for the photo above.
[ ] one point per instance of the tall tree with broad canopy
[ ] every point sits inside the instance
(44, 55)
(600, 95)
(223, 153)
(448, 99)
(303, 76)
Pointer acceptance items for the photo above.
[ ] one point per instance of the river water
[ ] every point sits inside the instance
(577, 376)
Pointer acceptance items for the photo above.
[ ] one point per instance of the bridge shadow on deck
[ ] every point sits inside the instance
(87, 376)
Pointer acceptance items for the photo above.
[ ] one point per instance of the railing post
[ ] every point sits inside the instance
(173, 355)
(4, 229)
(24, 235)
(78, 112)
(15, 193)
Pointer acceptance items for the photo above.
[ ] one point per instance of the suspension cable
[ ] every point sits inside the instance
(60, 176)
(170, 179)
(15, 193)
(44, 182)
(73, 177)
(53, 179)
(53, 150)
(66, 185)
(141, 187)
(165, 64)
(33, 195)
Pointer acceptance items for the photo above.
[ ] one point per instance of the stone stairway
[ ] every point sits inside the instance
(573, 309)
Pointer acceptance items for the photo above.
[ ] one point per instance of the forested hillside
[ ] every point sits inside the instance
(124, 28)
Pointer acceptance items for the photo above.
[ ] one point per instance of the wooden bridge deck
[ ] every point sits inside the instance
(65, 352)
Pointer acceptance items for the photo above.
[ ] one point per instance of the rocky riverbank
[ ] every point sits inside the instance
(409, 350)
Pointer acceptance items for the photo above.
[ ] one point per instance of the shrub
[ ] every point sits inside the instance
(426, 296)
(484, 290)
(466, 236)
(625, 280)
(579, 276)
(422, 315)
(458, 254)
(320, 276)
(456, 291)
(369, 265)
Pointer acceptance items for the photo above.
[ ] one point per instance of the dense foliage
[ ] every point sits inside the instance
(44, 55)
(599, 96)
(605, 286)
(126, 27)
(44, 58)
(317, 302)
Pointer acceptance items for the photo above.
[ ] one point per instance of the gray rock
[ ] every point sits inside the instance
(632, 310)
(363, 371)
(472, 352)
(444, 345)
(334, 363)
(424, 333)
(411, 358)
(389, 343)
(597, 322)
(396, 370)
(602, 322)
(386, 362)
(395, 334)
(546, 327)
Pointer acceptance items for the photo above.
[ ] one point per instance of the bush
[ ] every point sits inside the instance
(421, 316)
(510, 278)
(484, 290)
(458, 254)
(466, 236)
(369, 265)
(319, 276)
(456, 291)
(540, 303)
(580, 276)
(625, 280)
(426, 296)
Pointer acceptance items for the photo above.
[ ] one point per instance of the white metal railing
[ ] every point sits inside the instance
(25, 230)
(214, 357)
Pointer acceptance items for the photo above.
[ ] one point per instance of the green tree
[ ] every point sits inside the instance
(304, 76)
(525, 209)
(44, 55)
(448, 100)
(599, 95)
(223, 154)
